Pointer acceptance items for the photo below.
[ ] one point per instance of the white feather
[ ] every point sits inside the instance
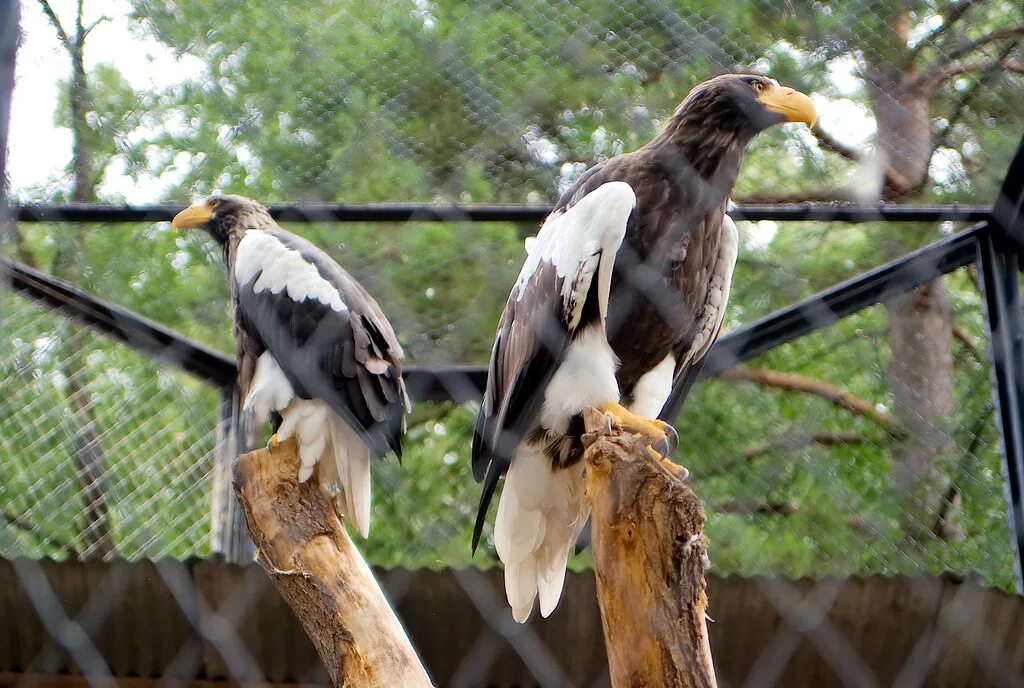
(521, 587)
(281, 269)
(597, 222)
(653, 387)
(322, 435)
(540, 515)
(269, 390)
(585, 378)
(352, 463)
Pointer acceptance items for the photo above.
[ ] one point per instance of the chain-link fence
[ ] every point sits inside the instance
(862, 440)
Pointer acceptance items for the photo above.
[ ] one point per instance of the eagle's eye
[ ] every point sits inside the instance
(759, 86)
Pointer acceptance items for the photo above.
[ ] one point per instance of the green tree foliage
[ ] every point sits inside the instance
(506, 102)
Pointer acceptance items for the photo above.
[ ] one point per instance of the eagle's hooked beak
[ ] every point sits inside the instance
(790, 103)
(196, 215)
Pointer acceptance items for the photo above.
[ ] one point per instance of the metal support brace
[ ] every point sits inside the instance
(227, 530)
(9, 31)
(999, 264)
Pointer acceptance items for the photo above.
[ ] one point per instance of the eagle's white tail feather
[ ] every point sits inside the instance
(343, 456)
(519, 527)
(352, 465)
(553, 557)
(540, 514)
(521, 587)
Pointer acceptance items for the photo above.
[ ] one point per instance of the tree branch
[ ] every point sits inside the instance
(650, 555)
(790, 441)
(990, 65)
(941, 138)
(829, 143)
(61, 33)
(935, 75)
(304, 548)
(892, 179)
(944, 527)
(954, 13)
(797, 439)
(795, 382)
(89, 457)
(79, 26)
(809, 196)
(88, 29)
(968, 342)
(17, 522)
(763, 508)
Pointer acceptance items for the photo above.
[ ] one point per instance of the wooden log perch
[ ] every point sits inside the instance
(649, 559)
(303, 546)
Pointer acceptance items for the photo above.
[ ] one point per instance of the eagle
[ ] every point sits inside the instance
(316, 355)
(622, 293)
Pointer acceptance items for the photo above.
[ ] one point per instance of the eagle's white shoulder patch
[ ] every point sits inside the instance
(571, 240)
(281, 269)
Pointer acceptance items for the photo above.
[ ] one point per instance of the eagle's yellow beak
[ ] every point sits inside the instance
(196, 215)
(790, 103)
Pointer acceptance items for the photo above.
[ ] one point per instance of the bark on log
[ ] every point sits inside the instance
(649, 559)
(303, 546)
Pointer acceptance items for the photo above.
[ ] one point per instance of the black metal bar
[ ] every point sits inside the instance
(466, 383)
(437, 383)
(406, 212)
(820, 212)
(1008, 209)
(998, 267)
(140, 333)
(824, 308)
(229, 533)
(9, 17)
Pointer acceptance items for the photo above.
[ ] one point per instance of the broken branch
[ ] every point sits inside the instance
(795, 382)
(934, 76)
(52, 16)
(649, 559)
(304, 548)
(790, 441)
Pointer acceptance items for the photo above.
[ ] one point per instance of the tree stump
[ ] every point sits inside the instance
(650, 555)
(303, 546)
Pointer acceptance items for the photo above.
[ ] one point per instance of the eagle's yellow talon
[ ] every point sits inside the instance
(681, 472)
(273, 443)
(671, 466)
(662, 435)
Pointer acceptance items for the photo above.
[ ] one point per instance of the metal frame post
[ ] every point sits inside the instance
(998, 266)
(9, 29)
(227, 529)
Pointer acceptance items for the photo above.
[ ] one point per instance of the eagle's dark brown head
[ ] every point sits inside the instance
(745, 104)
(224, 216)
(713, 125)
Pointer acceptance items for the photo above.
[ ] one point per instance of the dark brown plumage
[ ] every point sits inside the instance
(653, 221)
(315, 353)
